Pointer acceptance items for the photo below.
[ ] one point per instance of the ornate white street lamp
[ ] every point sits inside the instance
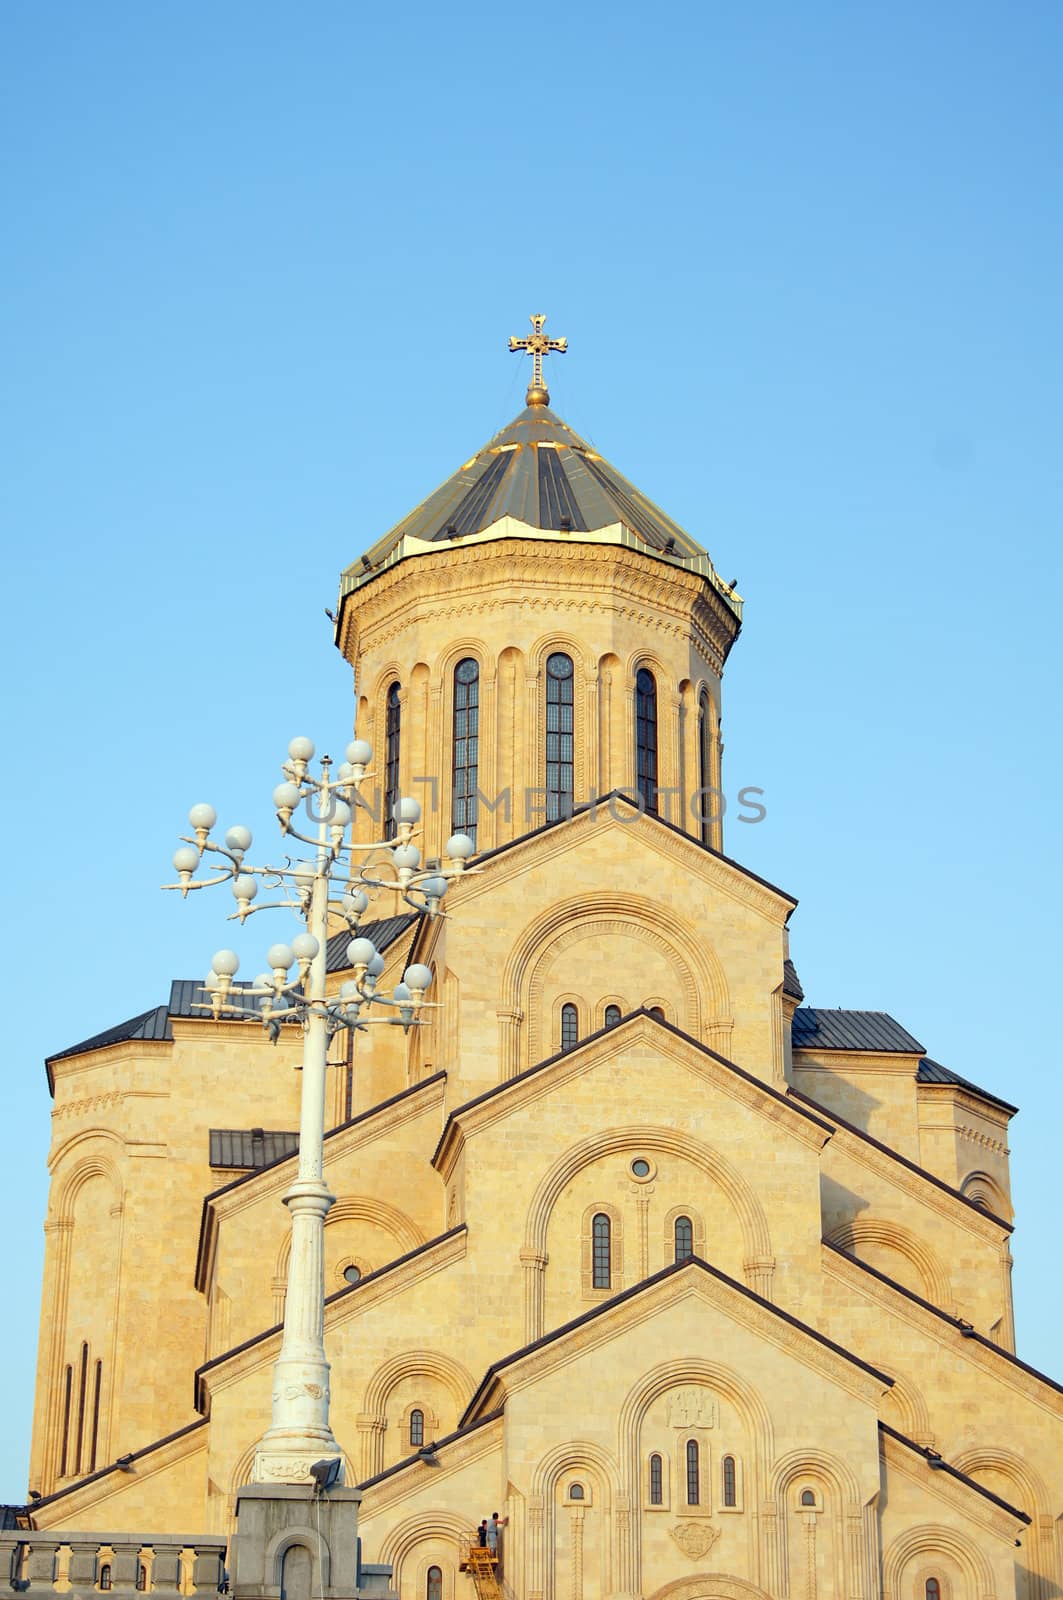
(299, 1434)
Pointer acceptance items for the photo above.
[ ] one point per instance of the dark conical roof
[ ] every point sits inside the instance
(541, 472)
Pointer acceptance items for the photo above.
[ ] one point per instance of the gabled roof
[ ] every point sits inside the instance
(622, 798)
(938, 1463)
(207, 1210)
(358, 1288)
(153, 1024)
(867, 1031)
(874, 1032)
(188, 997)
(933, 1072)
(520, 1079)
(791, 983)
(692, 1264)
(538, 470)
(964, 1328)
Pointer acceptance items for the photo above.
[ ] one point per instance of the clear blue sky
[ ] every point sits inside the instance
(260, 265)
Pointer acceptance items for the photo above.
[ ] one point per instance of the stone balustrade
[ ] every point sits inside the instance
(44, 1564)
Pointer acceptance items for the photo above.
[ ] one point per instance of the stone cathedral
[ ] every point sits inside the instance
(704, 1290)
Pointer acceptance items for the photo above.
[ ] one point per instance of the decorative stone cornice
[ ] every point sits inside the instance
(544, 575)
(229, 1368)
(950, 1490)
(534, 850)
(994, 1363)
(401, 1487)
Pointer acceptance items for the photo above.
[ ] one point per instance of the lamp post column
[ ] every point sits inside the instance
(299, 1433)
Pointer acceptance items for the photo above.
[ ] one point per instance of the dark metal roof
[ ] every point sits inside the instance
(851, 1030)
(153, 1024)
(541, 472)
(383, 934)
(188, 998)
(791, 983)
(250, 1147)
(933, 1072)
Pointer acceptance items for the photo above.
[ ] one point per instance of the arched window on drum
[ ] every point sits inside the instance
(560, 735)
(646, 737)
(466, 746)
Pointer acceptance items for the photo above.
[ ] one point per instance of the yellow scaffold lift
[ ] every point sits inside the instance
(480, 1563)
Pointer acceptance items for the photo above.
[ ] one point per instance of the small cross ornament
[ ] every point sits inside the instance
(537, 345)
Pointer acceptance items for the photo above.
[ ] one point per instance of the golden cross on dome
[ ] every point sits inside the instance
(537, 346)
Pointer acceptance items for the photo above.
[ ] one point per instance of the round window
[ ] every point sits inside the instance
(467, 671)
(559, 666)
(352, 1273)
(640, 1167)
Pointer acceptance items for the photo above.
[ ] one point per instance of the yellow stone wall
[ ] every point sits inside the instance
(849, 1276)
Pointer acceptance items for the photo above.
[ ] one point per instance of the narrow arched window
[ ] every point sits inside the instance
(933, 1589)
(466, 745)
(693, 1472)
(392, 732)
(569, 1027)
(94, 1437)
(601, 1252)
(730, 1482)
(612, 1016)
(576, 1491)
(808, 1497)
(105, 1575)
(646, 737)
(68, 1389)
(656, 1481)
(433, 1589)
(658, 1012)
(559, 737)
(83, 1380)
(684, 1238)
(416, 1429)
(705, 784)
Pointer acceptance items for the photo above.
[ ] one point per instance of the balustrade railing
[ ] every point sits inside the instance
(43, 1564)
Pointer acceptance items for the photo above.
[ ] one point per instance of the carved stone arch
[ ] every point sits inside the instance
(732, 1387)
(385, 676)
(430, 1364)
(756, 1239)
(930, 1539)
(96, 1164)
(419, 1363)
(710, 687)
(363, 1208)
(631, 926)
(309, 1539)
(983, 1190)
(1033, 1495)
(459, 650)
(710, 1586)
(400, 1541)
(241, 1472)
(815, 1463)
(706, 1002)
(578, 1455)
(569, 644)
(912, 1412)
(858, 1231)
(589, 1460)
(644, 655)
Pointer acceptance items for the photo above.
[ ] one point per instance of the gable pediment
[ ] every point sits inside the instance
(688, 1304)
(640, 1035)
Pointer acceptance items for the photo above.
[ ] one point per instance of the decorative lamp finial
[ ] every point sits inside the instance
(537, 346)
